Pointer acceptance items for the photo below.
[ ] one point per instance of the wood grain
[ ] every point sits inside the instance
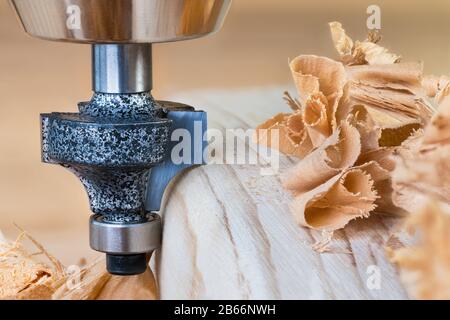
(228, 232)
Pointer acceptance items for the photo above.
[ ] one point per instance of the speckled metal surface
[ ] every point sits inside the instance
(111, 145)
(120, 106)
(75, 139)
(118, 193)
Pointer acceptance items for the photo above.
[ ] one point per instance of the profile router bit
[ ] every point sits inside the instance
(118, 144)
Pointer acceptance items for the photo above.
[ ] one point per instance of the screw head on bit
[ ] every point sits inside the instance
(126, 265)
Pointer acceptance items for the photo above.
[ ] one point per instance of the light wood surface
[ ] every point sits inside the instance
(228, 232)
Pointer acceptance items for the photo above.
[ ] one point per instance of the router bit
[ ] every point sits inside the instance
(119, 143)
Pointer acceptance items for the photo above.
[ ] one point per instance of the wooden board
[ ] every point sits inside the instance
(228, 232)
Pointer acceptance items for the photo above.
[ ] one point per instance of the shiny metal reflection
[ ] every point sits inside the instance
(120, 21)
(122, 68)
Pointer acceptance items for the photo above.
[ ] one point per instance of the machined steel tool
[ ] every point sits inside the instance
(118, 143)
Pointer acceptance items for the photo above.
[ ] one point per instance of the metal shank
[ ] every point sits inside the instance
(121, 68)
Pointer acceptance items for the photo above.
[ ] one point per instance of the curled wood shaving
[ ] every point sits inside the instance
(23, 276)
(379, 165)
(392, 93)
(365, 52)
(370, 134)
(425, 266)
(335, 203)
(315, 119)
(319, 79)
(320, 83)
(338, 158)
(342, 42)
(348, 121)
(424, 174)
(378, 80)
(438, 132)
(422, 180)
(423, 166)
(434, 85)
(339, 152)
(293, 138)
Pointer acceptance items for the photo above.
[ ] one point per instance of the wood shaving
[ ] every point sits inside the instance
(293, 138)
(422, 180)
(335, 203)
(350, 118)
(323, 245)
(292, 102)
(319, 79)
(438, 132)
(320, 84)
(392, 93)
(425, 266)
(365, 52)
(24, 276)
(339, 152)
(434, 85)
(423, 166)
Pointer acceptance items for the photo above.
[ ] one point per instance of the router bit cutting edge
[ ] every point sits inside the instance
(118, 144)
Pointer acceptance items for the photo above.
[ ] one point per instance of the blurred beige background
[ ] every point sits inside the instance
(252, 50)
